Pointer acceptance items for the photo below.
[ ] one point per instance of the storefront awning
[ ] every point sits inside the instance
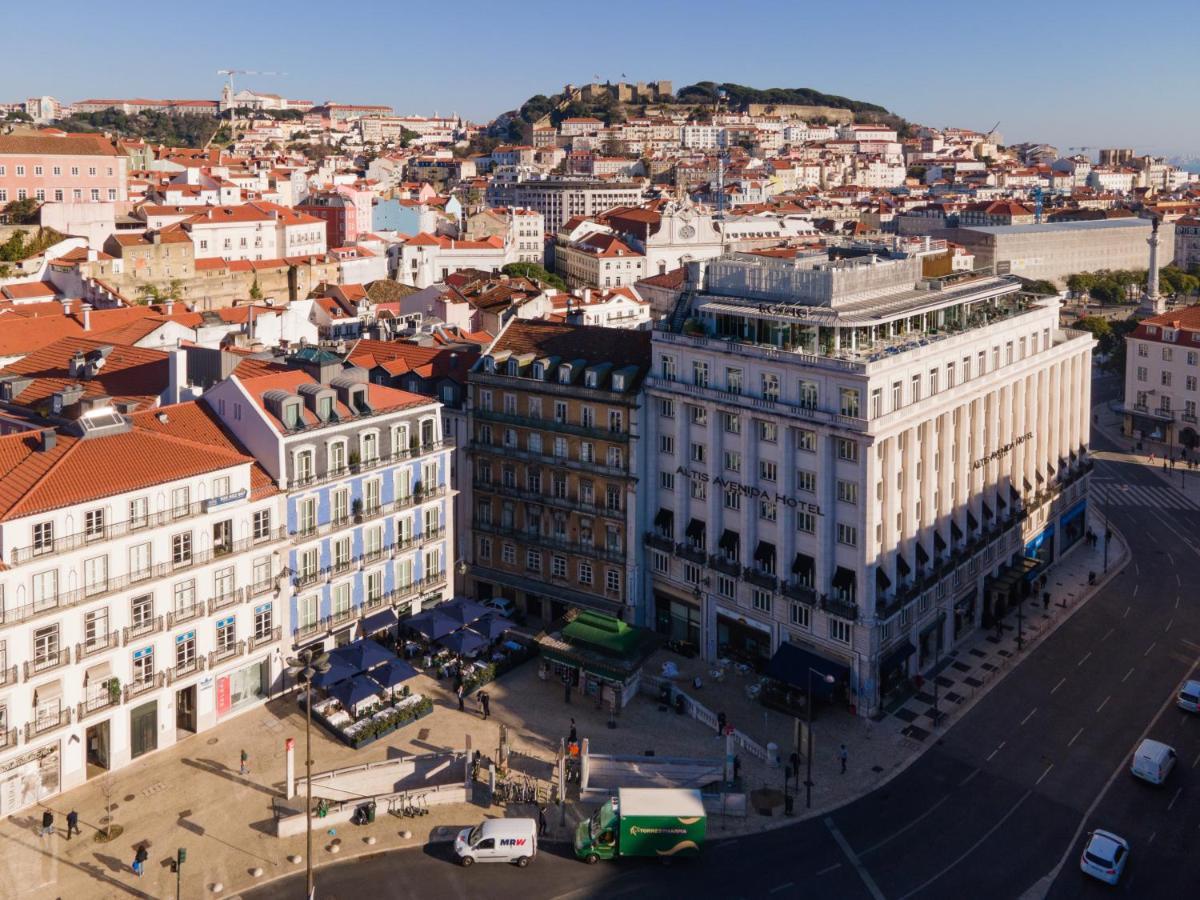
(729, 540)
(902, 566)
(764, 552)
(664, 521)
(843, 578)
(45, 693)
(922, 556)
(98, 674)
(882, 582)
(896, 656)
(792, 664)
(383, 619)
(803, 565)
(695, 529)
(939, 542)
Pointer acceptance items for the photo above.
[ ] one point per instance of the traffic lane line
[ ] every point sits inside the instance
(867, 880)
(1086, 657)
(1057, 686)
(994, 752)
(1074, 739)
(1032, 712)
(1171, 805)
(1043, 775)
(1103, 703)
(895, 834)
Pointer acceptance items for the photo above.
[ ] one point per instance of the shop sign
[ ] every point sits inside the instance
(25, 758)
(1002, 451)
(749, 490)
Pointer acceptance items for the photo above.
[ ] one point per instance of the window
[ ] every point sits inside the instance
(839, 630)
(93, 524)
(43, 538)
(698, 452)
(185, 596)
(806, 481)
(558, 566)
(143, 665)
(1166, 379)
(768, 431)
(1166, 354)
(139, 561)
(181, 549)
(612, 581)
(916, 388)
(770, 386)
(261, 528)
(616, 421)
(226, 634)
(699, 489)
(587, 452)
(666, 365)
(698, 415)
(800, 616)
(733, 461)
(806, 521)
(767, 509)
(847, 534)
(371, 495)
(666, 408)
(260, 573)
(141, 613)
(666, 480)
(761, 600)
(139, 512)
(847, 491)
(180, 502)
(732, 498)
(699, 373)
(849, 401)
(1142, 373)
(560, 411)
(1189, 382)
(306, 519)
(185, 650)
(585, 573)
(587, 417)
(560, 447)
(847, 449)
(666, 443)
(508, 554)
(485, 549)
(809, 394)
(876, 402)
(767, 470)
(806, 440)
(731, 422)
(95, 629)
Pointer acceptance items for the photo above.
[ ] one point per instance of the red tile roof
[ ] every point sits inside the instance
(130, 374)
(379, 398)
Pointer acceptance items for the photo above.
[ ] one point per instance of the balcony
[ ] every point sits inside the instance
(226, 600)
(106, 699)
(594, 467)
(34, 668)
(270, 637)
(725, 565)
(803, 593)
(611, 554)
(416, 498)
(8, 738)
(66, 599)
(759, 578)
(326, 624)
(692, 553)
(840, 608)
(660, 541)
(8, 676)
(46, 724)
(570, 502)
(224, 654)
(144, 686)
(413, 451)
(179, 616)
(104, 642)
(182, 670)
(141, 630)
(594, 432)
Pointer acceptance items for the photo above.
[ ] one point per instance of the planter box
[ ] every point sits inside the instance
(357, 742)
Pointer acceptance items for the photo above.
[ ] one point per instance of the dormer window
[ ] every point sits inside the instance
(591, 380)
(539, 371)
(489, 365)
(564, 375)
(325, 408)
(618, 382)
(514, 367)
(291, 415)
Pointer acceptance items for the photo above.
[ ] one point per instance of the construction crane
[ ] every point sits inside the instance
(232, 72)
(992, 130)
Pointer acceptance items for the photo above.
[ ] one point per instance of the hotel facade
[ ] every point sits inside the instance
(857, 460)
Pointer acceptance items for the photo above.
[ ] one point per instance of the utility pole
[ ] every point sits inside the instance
(177, 867)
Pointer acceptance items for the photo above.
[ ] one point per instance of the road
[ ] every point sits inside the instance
(994, 805)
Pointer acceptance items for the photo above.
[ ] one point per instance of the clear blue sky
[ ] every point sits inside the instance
(1102, 73)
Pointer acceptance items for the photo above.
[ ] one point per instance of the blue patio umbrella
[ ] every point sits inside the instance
(463, 610)
(432, 624)
(362, 655)
(463, 641)
(354, 691)
(492, 626)
(393, 673)
(339, 670)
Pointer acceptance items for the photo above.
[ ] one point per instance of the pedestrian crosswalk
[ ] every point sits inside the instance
(1117, 493)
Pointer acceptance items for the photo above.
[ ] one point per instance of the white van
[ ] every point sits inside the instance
(1189, 697)
(1153, 761)
(498, 840)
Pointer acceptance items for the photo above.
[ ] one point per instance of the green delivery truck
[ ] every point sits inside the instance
(661, 822)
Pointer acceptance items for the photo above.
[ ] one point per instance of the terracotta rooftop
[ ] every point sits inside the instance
(129, 374)
(588, 342)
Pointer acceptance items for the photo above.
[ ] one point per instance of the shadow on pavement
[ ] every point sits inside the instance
(219, 769)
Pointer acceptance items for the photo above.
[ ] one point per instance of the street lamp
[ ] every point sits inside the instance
(808, 782)
(306, 665)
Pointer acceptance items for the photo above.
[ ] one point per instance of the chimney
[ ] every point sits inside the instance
(168, 306)
(86, 309)
(75, 365)
(47, 438)
(587, 296)
(66, 306)
(176, 374)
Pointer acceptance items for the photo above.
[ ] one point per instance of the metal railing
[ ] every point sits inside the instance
(233, 651)
(595, 432)
(416, 498)
(226, 600)
(85, 649)
(107, 699)
(44, 726)
(595, 467)
(179, 616)
(35, 667)
(541, 540)
(356, 468)
(143, 686)
(8, 738)
(8, 676)
(136, 632)
(326, 624)
(183, 670)
(571, 502)
(270, 637)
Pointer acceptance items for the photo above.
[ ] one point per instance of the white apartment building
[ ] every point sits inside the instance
(559, 201)
(254, 231)
(1162, 379)
(138, 598)
(859, 462)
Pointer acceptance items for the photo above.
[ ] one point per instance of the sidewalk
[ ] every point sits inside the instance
(1183, 481)
(191, 795)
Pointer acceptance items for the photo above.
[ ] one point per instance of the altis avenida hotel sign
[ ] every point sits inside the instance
(748, 490)
(1003, 451)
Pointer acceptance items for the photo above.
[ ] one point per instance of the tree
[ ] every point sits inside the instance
(255, 290)
(1100, 329)
(534, 272)
(22, 212)
(1040, 286)
(153, 293)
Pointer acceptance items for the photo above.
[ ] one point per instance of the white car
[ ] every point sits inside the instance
(502, 605)
(1104, 856)
(1189, 697)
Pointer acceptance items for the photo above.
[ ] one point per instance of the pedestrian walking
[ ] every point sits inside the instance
(460, 693)
(47, 822)
(721, 720)
(842, 756)
(139, 860)
(566, 687)
(1045, 599)
(573, 734)
(245, 767)
(541, 821)
(794, 759)
(73, 824)
(486, 702)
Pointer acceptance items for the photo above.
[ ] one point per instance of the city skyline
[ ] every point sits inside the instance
(1038, 92)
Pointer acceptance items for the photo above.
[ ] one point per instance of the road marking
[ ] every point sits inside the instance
(1171, 805)
(1057, 686)
(1148, 649)
(921, 887)
(782, 887)
(1135, 590)
(967, 780)
(1178, 581)
(1127, 674)
(1169, 624)
(1030, 716)
(1107, 635)
(1126, 613)
(867, 880)
(994, 752)
(1085, 659)
(1137, 570)
(1074, 739)
(1153, 835)
(1101, 706)
(1197, 762)
(1177, 601)
(897, 834)
(828, 869)
(1170, 558)
(1043, 775)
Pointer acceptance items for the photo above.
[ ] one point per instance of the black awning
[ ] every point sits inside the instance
(804, 566)
(764, 552)
(695, 529)
(379, 621)
(955, 531)
(1028, 486)
(987, 510)
(882, 582)
(844, 578)
(939, 542)
(896, 656)
(1049, 470)
(902, 566)
(1001, 503)
(792, 665)
(972, 522)
(729, 540)
(922, 556)
(665, 520)
(1014, 494)
(1040, 478)
(1073, 456)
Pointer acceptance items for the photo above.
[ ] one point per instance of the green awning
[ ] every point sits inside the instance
(605, 633)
